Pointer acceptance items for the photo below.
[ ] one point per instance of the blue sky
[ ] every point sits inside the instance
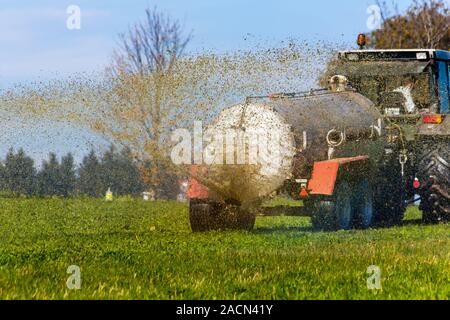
(36, 44)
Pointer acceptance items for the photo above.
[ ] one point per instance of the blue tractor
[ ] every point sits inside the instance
(411, 88)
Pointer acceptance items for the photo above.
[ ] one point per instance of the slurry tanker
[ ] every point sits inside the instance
(356, 153)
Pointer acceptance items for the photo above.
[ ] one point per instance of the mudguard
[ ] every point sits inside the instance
(325, 173)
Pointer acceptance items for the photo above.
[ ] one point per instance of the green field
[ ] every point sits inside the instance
(130, 249)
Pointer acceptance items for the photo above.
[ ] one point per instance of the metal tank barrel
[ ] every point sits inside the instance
(298, 130)
(330, 125)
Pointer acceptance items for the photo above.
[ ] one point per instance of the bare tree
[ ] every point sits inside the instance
(144, 63)
(151, 46)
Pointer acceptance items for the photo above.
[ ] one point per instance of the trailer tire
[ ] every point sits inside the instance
(434, 175)
(213, 216)
(200, 216)
(233, 217)
(336, 212)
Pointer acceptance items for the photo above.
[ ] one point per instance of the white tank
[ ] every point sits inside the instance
(249, 151)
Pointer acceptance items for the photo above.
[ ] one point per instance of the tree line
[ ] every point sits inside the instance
(113, 169)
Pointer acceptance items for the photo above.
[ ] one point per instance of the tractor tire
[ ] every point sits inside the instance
(200, 216)
(213, 216)
(434, 176)
(334, 213)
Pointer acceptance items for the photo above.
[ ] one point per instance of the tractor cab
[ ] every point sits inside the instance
(404, 84)
(411, 89)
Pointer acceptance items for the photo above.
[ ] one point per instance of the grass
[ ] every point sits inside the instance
(130, 249)
(280, 201)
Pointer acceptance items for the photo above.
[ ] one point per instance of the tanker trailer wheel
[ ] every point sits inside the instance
(207, 215)
(335, 212)
(434, 175)
(200, 215)
(234, 217)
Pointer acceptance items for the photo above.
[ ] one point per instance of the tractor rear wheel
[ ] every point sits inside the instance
(434, 175)
(207, 215)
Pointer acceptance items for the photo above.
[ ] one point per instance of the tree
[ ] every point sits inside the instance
(49, 177)
(19, 173)
(426, 24)
(68, 175)
(167, 187)
(120, 173)
(2, 177)
(89, 176)
(152, 46)
(110, 171)
(145, 63)
(130, 175)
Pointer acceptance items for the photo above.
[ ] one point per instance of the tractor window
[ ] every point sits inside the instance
(421, 91)
(414, 88)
